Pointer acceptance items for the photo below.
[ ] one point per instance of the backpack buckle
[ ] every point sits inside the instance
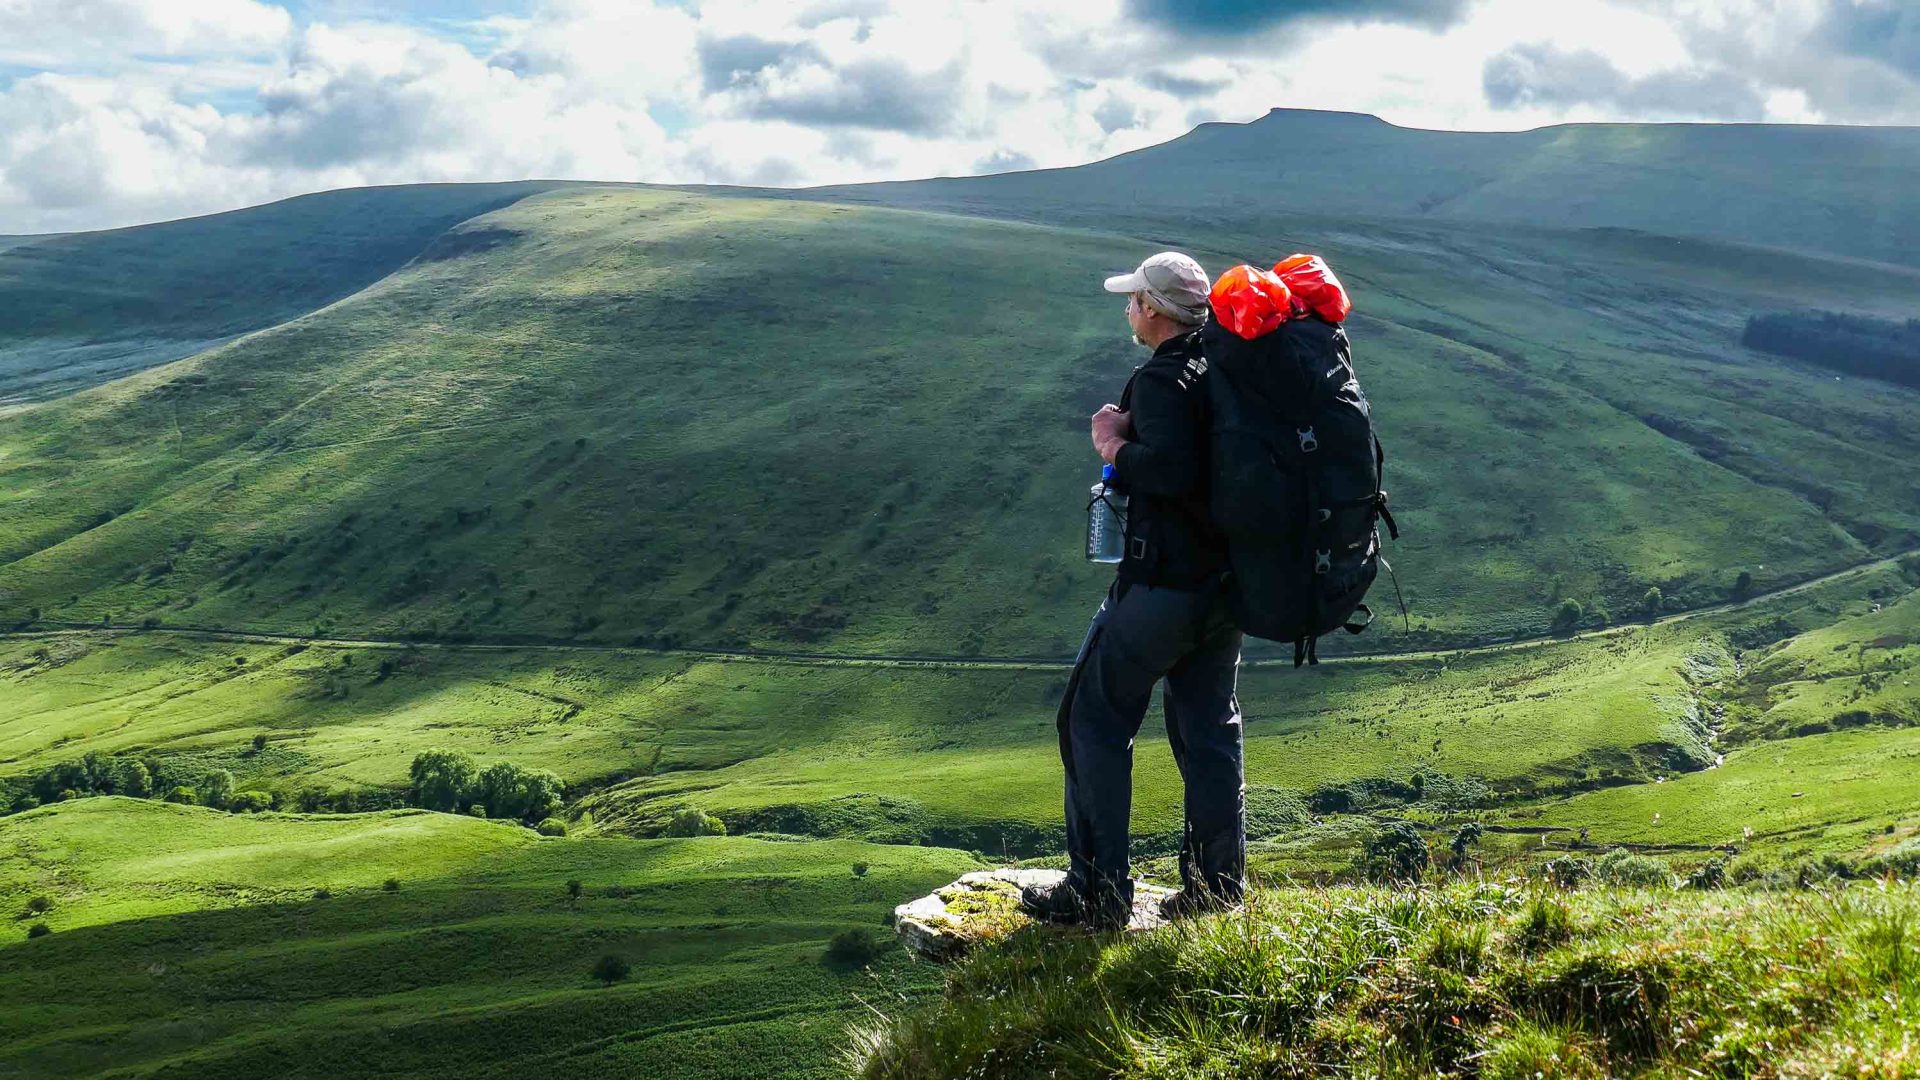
(1322, 561)
(1325, 515)
(1309, 442)
(1140, 548)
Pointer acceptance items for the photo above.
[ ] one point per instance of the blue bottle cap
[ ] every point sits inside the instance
(1106, 472)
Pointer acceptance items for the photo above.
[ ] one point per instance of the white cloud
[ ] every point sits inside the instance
(66, 33)
(156, 108)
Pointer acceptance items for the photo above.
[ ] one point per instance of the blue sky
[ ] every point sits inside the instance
(120, 111)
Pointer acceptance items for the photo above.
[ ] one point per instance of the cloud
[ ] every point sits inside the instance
(864, 93)
(1887, 31)
(118, 111)
(90, 34)
(1539, 74)
(1242, 16)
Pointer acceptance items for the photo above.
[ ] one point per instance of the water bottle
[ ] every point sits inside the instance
(1106, 520)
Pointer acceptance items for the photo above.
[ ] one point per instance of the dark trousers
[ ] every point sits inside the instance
(1140, 635)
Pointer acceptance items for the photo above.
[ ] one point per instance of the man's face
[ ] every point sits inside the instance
(1137, 316)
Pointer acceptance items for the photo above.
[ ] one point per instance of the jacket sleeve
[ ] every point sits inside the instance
(1165, 454)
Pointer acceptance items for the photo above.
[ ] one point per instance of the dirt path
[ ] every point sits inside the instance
(1035, 663)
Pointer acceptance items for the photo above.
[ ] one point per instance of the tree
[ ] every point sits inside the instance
(610, 969)
(552, 826)
(574, 889)
(1467, 836)
(39, 929)
(693, 821)
(215, 789)
(39, 905)
(1569, 613)
(1653, 601)
(510, 791)
(132, 778)
(860, 869)
(1397, 851)
(1743, 584)
(183, 795)
(441, 779)
(259, 743)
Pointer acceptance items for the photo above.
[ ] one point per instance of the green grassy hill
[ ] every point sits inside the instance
(80, 308)
(599, 418)
(1829, 189)
(186, 942)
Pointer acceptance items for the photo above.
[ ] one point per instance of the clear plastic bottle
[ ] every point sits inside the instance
(1106, 520)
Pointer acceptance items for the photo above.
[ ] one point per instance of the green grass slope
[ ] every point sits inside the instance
(1472, 979)
(1840, 190)
(189, 943)
(600, 417)
(79, 308)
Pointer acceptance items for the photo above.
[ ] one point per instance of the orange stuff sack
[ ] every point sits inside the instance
(1250, 302)
(1311, 281)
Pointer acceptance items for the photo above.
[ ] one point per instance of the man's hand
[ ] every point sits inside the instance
(1110, 430)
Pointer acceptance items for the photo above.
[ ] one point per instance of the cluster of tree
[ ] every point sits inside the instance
(1855, 344)
(149, 777)
(448, 780)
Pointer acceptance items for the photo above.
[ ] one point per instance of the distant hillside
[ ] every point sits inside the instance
(76, 308)
(1843, 190)
(595, 415)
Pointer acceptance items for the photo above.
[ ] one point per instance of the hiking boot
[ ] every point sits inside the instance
(1186, 904)
(1063, 905)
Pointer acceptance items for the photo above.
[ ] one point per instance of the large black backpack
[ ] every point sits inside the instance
(1295, 481)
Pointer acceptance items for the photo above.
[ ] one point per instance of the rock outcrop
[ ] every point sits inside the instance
(985, 905)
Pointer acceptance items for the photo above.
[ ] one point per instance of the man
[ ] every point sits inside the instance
(1165, 616)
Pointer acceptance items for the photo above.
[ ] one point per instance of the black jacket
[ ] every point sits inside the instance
(1163, 469)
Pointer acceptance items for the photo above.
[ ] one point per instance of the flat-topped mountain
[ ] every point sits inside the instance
(1843, 190)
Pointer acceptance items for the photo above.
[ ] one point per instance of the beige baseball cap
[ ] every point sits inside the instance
(1175, 286)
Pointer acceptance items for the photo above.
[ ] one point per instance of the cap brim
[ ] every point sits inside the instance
(1126, 283)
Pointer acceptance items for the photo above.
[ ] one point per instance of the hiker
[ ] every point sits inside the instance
(1165, 616)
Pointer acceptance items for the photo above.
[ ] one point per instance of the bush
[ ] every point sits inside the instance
(574, 889)
(693, 821)
(476, 810)
(392, 884)
(215, 789)
(1397, 851)
(1567, 871)
(440, 779)
(552, 826)
(259, 743)
(323, 893)
(860, 869)
(250, 802)
(1272, 810)
(39, 929)
(182, 795)
(1653, 601)
(1569, 613)
(1709, 875)
(1623, 867)
(39, 905)
(610, 969)
(854, 947)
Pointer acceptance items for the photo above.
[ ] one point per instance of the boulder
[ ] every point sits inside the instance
(985, 905)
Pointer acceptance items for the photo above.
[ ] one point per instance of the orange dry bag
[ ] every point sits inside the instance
(1250, 302)
(1312, 283)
